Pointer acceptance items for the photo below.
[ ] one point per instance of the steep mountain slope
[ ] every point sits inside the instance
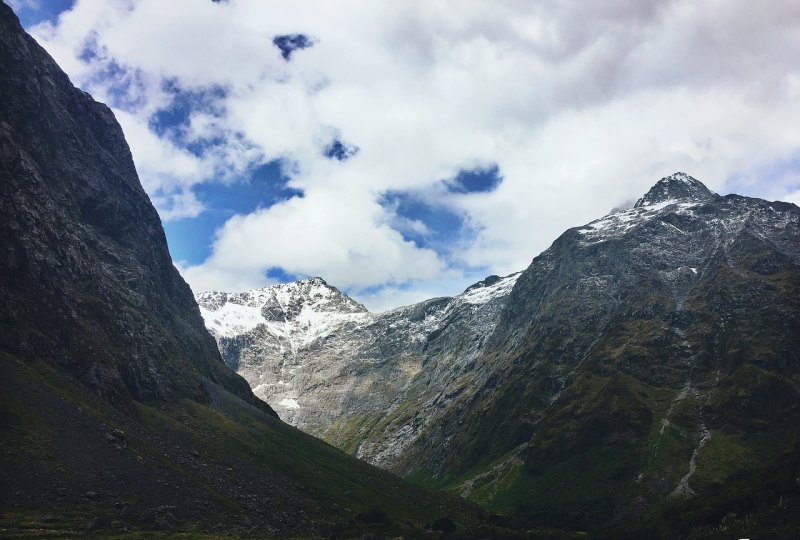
(644, 363)
(368, 383)
(116, 410)
(87, 279)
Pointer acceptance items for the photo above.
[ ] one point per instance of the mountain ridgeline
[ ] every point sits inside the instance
(367, 383)
(117, 413)
(640, 377)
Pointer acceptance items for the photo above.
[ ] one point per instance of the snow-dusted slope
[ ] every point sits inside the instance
(300, 312)
(688, 301)
(678, 193)
(325, 363)
(676, 188)
(680, 199)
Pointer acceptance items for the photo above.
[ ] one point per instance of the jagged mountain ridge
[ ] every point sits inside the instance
(117, 413)
(643, 367)
(330, 367)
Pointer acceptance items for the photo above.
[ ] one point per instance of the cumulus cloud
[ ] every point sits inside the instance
(579, 106)
(300, 235)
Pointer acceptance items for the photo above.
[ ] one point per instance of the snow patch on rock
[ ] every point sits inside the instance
(482, 295)
(289, 403)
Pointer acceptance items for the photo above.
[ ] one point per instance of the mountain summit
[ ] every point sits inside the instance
(676, 188)
(300, 307)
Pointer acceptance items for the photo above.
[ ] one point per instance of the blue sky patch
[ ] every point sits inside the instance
(279, 274)
(118, 82)
(341, 151)
(442, 227)
(48, 10)
(190, 238)
(480, 180)
(169, 121)
(289, 43)
(184, 102)
(772, 180)
(89, 51)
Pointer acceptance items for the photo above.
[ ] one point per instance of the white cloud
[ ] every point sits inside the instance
(209, 279)
(580, 105)
(793, 197)
(330, 232)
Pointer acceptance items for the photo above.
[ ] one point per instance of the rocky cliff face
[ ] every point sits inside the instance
(116, 410)
(368, 383)
(88, 283)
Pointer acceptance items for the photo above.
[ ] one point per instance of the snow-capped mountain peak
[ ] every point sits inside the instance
(303, 346)
(300, 307)
(676, 188)
(678, 194)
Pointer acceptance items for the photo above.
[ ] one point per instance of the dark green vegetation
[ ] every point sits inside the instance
(116, 411)
(72, 462)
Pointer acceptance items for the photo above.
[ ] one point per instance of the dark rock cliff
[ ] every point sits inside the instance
(86, 280)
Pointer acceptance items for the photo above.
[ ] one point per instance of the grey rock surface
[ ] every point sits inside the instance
(368, 383)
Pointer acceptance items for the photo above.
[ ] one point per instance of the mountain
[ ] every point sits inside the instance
(365, 382)
(679, 188)
(117, 413)
(641, 377)
(645, 371)
(88, 282)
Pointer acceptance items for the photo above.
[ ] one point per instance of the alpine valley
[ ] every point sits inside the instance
(640, 378)
(117, 414)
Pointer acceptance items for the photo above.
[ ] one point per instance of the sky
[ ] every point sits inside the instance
(404, 150)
